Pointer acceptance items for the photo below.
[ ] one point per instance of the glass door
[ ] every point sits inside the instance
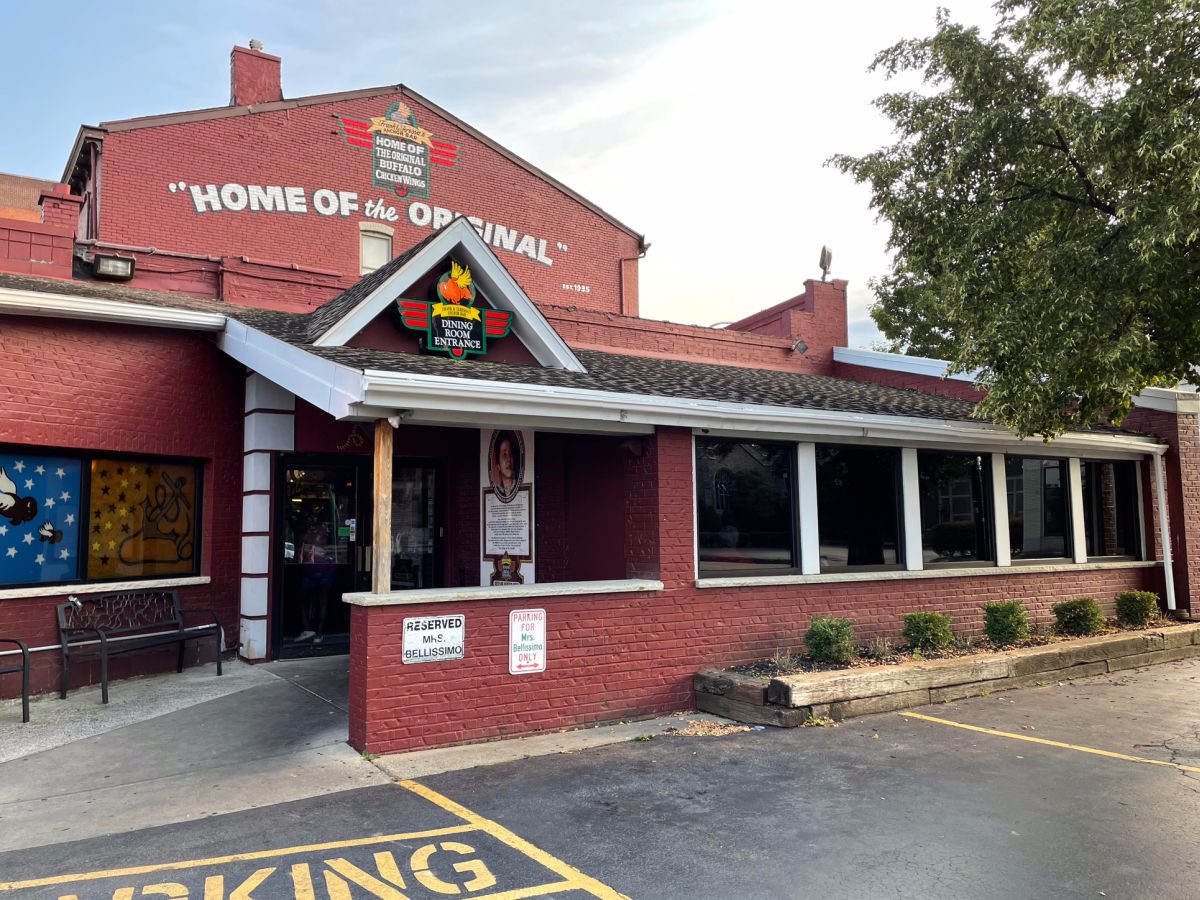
(321, 531)
(416, 526)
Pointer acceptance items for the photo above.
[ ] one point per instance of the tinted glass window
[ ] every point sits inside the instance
(858, 507)
(956, 521)
(1039, 524)
(745, 507)
(1110, 514)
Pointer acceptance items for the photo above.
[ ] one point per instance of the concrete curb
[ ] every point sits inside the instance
(791, 700)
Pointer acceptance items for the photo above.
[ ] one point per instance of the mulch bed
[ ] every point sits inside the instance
(883, 653)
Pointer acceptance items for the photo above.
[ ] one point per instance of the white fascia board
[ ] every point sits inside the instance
(529, 325)
(473, 399)
(1178, 402)
(898, 362)
(326, 385)
(95, 309)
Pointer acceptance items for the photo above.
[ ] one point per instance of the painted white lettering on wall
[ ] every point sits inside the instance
(499, 236)
(329, 203)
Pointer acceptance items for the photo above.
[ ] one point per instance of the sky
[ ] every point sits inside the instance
(704, 125)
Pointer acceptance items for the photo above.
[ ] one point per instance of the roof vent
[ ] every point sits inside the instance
(255, 44)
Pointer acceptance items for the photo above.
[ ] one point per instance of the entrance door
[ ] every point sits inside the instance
(323, 522)
(416, 526)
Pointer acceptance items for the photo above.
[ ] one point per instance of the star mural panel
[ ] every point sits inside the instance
(40, 509)
(143, 519)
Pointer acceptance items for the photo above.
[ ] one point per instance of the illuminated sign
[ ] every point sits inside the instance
(453, 324)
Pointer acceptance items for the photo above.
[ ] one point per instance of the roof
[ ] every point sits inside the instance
(605, 372)
(19, 192)
(331, 311)
(612, 372)
(222, 112)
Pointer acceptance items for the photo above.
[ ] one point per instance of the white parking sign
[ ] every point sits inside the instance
(526, 641)
(434, 638)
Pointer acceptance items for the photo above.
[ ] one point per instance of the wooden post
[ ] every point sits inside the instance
(381, 521)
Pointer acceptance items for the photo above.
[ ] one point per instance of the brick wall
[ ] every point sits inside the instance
(303, 147)
(623, 655)
(120, 389)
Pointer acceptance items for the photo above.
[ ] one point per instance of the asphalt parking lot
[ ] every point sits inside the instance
(1085, 789)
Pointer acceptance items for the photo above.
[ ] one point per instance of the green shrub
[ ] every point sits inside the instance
(1079, 616)
(1137, 607)
(927, 631)
(830, 639)
(1005, 622)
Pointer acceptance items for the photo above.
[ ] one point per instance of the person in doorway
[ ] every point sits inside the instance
(507, 464)
(317, 574)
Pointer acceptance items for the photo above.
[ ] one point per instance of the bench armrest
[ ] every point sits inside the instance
(65, 634)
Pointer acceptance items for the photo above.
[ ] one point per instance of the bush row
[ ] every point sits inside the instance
(830, 639)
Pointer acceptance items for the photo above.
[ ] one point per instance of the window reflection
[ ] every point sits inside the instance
(956, 522)
(1038, 518)
(858, 507)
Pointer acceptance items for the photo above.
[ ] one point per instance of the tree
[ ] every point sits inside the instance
(1044, 201)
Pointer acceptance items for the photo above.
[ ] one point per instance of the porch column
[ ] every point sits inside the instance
(381, 520)
(269, 429)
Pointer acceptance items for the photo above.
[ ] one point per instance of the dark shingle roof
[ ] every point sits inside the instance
(610, 372)
(619, 373)
(330, 312)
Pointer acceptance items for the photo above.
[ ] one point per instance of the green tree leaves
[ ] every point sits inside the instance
(1044, 200)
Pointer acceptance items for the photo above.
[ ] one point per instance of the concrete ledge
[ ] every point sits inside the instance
(503, 592)
(845, 693)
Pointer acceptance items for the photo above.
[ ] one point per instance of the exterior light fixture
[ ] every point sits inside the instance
(113, 267)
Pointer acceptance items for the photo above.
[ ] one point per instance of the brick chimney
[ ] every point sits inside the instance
(253, 76)
(60, 208)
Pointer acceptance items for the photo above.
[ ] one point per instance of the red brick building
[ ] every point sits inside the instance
(354, 376)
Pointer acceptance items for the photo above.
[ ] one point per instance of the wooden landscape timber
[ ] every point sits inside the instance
(845, 693)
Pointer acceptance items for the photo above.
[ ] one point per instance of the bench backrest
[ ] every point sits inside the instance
(122, 612)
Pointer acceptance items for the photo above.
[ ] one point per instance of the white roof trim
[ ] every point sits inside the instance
(439, 399)
(489, 274)
(898, 362)
(95, 309)
(1181, 401)
(326, 385)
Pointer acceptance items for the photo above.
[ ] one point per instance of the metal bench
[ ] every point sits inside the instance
(123, 622)
(23, 668)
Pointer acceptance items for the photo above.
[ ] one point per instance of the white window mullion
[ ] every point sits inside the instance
(1000, 510)
(1078, 532)
(806, 492)
(910, 494)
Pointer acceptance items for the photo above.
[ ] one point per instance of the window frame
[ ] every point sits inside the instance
(794, 517)
(901, 563)
(85, 458)
(987, 501)
(1139, 536)
(374, 230)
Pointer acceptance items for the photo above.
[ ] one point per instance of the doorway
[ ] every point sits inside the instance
(324, 545)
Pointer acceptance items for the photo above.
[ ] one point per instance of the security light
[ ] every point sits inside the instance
(117, 268)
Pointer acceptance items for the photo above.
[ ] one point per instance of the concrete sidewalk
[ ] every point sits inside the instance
(175, 748)
(179, 747)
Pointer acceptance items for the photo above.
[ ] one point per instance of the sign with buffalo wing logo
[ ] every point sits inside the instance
(453, 324)
(401, 150)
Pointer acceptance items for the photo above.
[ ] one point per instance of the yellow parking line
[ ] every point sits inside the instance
(574, 879)
(1048, 743)
(236, 857)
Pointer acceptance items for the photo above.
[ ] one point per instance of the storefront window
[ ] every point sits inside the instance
(41, 517)
(1039, 523)
(956, 522)
(143, 519)
(745, 507)
(1110, 514)
(858, 507)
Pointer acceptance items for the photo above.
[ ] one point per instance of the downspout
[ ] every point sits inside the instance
(621, 274)
(1164, 531)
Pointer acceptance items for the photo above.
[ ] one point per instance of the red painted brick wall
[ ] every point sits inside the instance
(120, 389)
(623, 655)
(303, 147)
